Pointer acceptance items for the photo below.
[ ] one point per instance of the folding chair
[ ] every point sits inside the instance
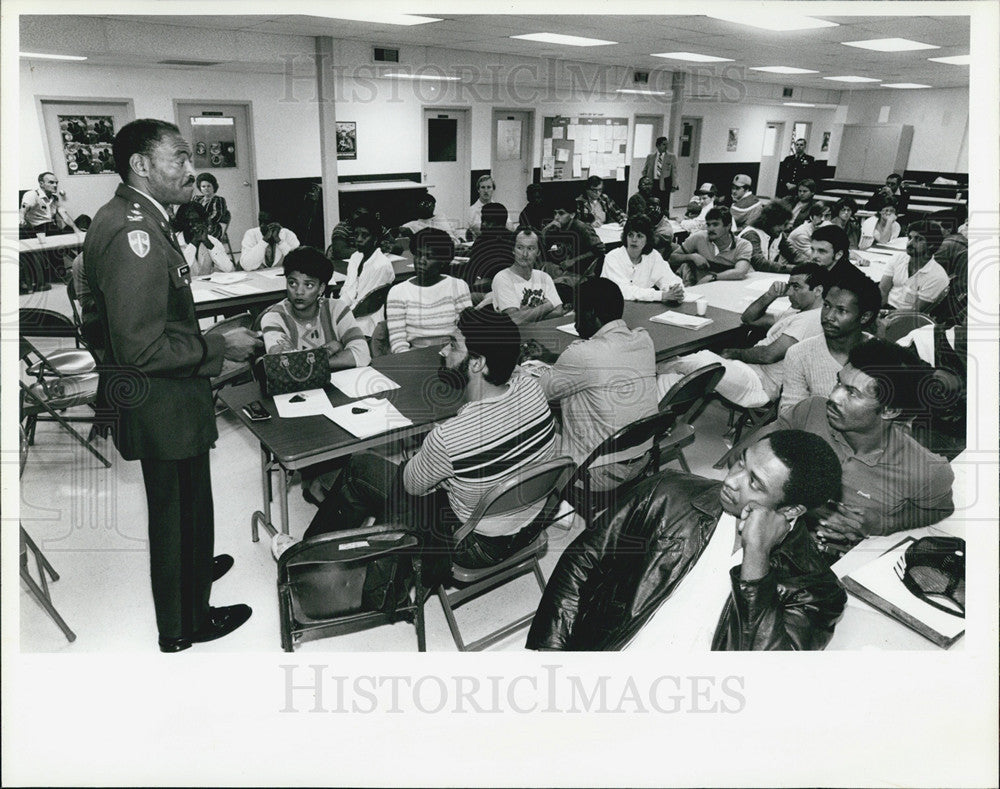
(349, 581)
(898, 323)
(538, 482)
(686, 400)
(39, 589)
(741, 417)
(650, 429)
(232, 372)
(373, 302)
(64, 378)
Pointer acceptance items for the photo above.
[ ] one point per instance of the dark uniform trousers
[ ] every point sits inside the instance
(155, 381)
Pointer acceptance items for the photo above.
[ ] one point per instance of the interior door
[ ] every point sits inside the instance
(771, 154)
(446, 161)
(221, 145)
(688, 150)
(511, 158)
(644, 133)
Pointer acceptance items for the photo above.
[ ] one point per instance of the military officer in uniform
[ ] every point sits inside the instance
(794, 168)
(155, 376)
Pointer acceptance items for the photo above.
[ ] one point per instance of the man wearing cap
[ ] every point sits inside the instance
(660, 168)
(705, 194)
(746, 205)
(794, 168)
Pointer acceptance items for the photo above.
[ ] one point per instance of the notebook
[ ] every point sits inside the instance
(681, 319)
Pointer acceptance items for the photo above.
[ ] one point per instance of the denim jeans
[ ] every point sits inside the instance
(373, 486)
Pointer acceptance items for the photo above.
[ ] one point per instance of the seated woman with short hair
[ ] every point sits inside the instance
(638, 269)
(368, 269)
(424, 310)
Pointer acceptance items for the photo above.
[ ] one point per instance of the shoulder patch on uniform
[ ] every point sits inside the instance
(139, 241)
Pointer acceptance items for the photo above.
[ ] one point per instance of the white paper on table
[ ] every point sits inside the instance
(569, 328)
(681, 319)
(236, 289)
(879, 576)
(273, 273)
(377, 415)
(759, 285)
(691, 297)
(310, 402)
(362, 382)
(227, 277)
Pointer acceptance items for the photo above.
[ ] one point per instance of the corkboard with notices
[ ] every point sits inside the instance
(575, 148)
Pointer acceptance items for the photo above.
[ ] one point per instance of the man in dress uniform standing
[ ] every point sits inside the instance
(155, 376)
(794, 168)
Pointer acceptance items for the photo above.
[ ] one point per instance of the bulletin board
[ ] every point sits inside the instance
(575, 148)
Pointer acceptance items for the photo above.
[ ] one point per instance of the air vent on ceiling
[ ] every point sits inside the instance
(385, 55)
(189, 62)
(786, 93)
(640, 77)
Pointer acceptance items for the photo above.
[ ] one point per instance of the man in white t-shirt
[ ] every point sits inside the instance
(753, 376)
(522, 291)
(915, 280)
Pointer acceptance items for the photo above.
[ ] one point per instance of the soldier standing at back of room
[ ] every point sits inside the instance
(156, 376)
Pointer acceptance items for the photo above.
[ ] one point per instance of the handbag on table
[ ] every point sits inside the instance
(295, 371)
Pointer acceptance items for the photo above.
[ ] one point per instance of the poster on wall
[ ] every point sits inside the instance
(214, 139)
(86, 141)
(733, 140)
(826, 142)
(347, 140)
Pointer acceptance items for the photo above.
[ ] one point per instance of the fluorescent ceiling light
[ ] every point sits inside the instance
(798, 104)
(42, 56)
(954, 60)
(904, 85)
(432, 77)
(777, 22)
(889, 44)
(783, 70)
(381, 18)
(570, 41)
(642, 92)
(852, 79)
(694, 57)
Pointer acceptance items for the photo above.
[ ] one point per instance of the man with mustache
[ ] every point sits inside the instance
(504, 424)
(156, 375)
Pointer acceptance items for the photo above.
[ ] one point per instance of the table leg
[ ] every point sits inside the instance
(283, 497)
(263, 517)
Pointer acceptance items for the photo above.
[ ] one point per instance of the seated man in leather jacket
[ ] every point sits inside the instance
(678, 532)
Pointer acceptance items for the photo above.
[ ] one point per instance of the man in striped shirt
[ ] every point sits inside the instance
(504, 425)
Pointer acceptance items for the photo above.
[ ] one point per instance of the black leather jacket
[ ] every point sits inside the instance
(614, 576)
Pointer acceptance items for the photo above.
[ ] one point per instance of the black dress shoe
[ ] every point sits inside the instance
(221, 565)
(222, 621)
(174, 644)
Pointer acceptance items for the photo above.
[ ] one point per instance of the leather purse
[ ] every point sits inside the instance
(295, 371)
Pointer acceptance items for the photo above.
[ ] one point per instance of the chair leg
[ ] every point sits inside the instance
(41, 592)
(539, 576)
(284, 615)
(450, 616)
(683, 461)
(42, 560)
(62, 421)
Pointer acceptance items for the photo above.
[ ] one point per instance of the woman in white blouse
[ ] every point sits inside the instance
(203, 253)
(882, 228)
(638, 269)
(368, 269)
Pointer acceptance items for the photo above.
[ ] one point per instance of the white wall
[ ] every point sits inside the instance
(940, 120)
(285, 132)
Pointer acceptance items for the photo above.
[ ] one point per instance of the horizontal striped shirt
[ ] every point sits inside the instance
(413, 313)
(484, 444)
(333, 326)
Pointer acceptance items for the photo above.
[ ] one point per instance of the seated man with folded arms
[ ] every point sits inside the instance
(428, 218)
(423, 310)
(638, 269)
(801, 237)
(596, 208)
(603, 382)
(266, 245)
(713, 253)
(504, 425)
(368, 269)
(694, 564)
(307, 319)
(639, 202)
(203, 253)
(890, 482)
(492, 251)
(850, 306)
(766, 235)
(570, 247)
(524, 292)
(753, 376)
(914, 280)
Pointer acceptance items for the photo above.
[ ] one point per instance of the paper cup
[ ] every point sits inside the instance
(701, 306)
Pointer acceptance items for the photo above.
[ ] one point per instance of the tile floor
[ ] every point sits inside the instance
(91, 521)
